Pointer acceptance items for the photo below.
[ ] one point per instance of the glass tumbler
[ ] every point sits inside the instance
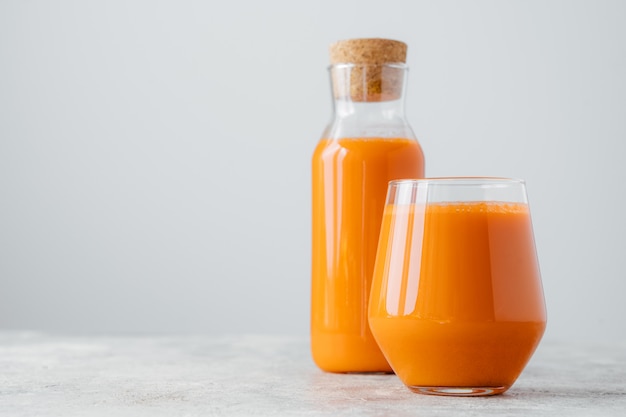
(456, 303)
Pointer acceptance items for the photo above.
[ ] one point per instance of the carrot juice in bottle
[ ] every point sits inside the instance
(367, 143)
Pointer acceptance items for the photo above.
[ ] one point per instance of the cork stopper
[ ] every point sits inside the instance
(368, 51)
(365, 75)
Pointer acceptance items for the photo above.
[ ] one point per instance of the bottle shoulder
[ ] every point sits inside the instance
(400, 157)
(375, 128)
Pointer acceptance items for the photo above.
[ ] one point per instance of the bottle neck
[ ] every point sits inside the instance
(368, 101)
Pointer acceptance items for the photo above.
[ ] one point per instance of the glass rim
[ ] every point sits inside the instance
(459, 181)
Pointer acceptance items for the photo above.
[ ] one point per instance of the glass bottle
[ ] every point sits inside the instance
(367, 144)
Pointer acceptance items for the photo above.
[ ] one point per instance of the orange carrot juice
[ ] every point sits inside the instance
(350, 178)
(457, 298)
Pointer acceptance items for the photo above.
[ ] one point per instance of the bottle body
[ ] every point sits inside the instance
(367, 144)
(350, 178)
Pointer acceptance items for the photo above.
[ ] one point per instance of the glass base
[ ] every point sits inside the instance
(458, 391)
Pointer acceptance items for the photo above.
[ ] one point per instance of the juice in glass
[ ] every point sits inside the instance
(456, 304)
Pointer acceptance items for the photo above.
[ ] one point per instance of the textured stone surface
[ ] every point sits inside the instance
(266, 376)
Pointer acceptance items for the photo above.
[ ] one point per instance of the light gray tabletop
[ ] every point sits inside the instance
(257, 375)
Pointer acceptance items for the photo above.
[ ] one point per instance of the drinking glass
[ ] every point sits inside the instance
(456, 303)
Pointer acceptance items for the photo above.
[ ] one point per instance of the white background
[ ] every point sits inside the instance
(155, 155)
